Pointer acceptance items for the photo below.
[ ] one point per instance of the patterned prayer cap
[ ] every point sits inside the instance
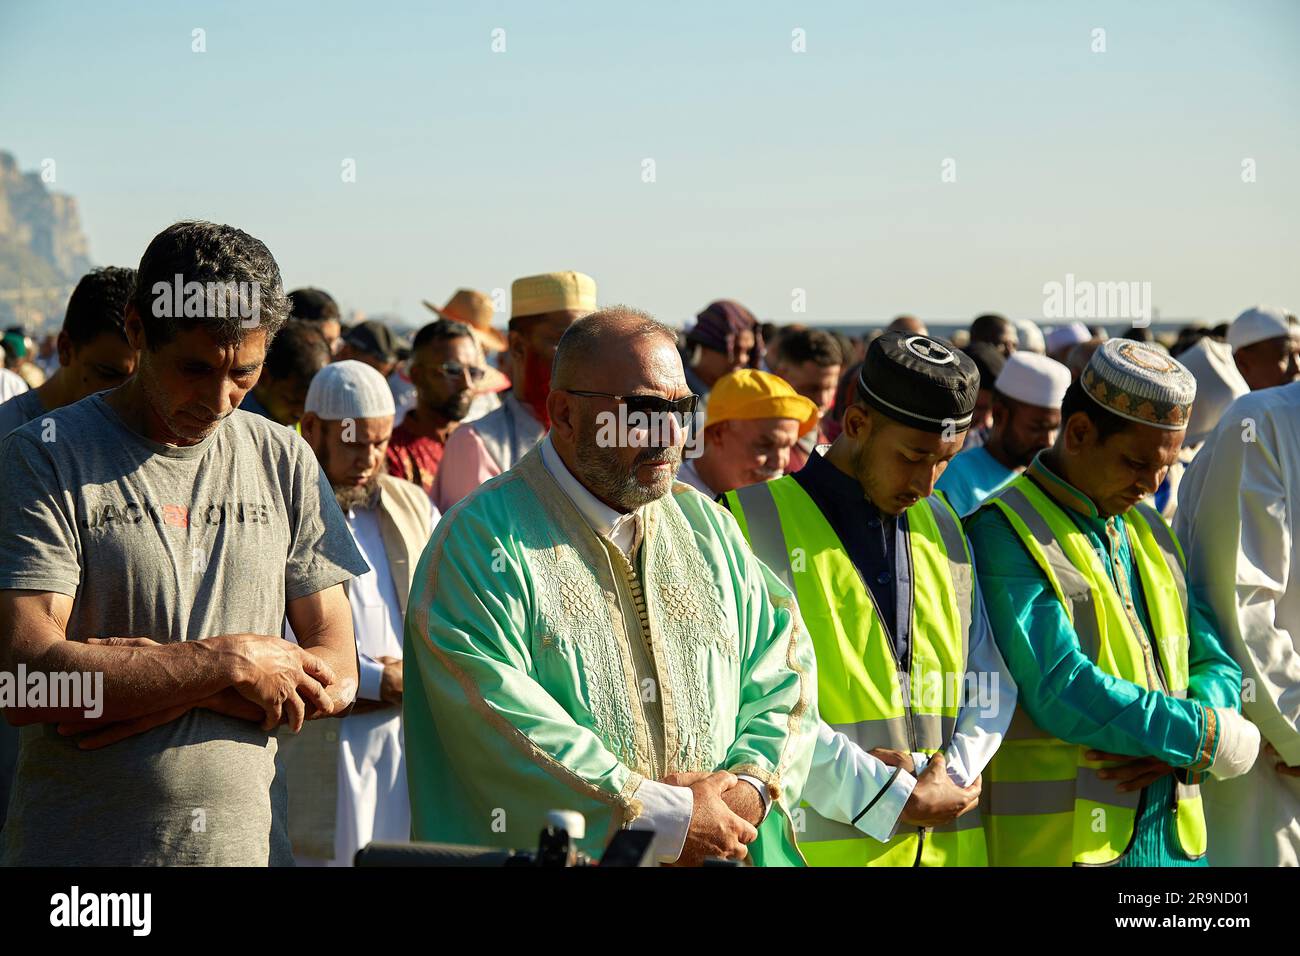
(1140, 383)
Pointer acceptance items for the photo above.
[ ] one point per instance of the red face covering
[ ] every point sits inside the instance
(537, 385)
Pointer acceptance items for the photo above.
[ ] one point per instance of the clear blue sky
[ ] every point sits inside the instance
(775, 170)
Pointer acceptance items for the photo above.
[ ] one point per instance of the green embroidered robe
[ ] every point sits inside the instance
(543, 671)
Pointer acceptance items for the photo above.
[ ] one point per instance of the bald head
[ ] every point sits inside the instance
(605, 363)
(907, 323)
(607, 344)
(1078, 357)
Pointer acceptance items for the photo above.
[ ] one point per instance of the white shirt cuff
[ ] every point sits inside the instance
(372, 678)
(920, 761)
(882, 820)
(667, 810)
(762, 792)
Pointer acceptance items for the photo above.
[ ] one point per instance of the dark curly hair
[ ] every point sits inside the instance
(98, 304)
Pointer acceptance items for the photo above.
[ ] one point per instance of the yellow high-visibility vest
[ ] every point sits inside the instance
(862, 689)
(1043, 803)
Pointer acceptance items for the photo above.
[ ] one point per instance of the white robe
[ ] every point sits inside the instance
(1236, 520)
(373, 803)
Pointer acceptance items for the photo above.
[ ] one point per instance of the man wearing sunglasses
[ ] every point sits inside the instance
(446, 365)
(601, 638)
(541, 308)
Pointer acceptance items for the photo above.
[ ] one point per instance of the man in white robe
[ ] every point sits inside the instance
(347, 782)
(1236, 519)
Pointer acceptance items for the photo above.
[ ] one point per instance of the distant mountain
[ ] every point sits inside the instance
(43, 251)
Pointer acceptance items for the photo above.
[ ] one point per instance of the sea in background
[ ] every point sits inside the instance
(1161, 328)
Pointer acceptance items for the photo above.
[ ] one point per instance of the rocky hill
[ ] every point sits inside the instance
(42, 248)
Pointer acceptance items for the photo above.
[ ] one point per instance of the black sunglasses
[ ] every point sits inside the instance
(683, 408)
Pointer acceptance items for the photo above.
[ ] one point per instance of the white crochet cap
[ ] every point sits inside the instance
(349, 389)
(1257, 324)
(1034, 380)
(1066, 336)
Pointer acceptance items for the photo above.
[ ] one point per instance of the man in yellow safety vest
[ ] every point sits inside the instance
(913, 694)
(1127, 697)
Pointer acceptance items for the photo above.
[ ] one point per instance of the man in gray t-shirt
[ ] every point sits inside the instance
(157, 536)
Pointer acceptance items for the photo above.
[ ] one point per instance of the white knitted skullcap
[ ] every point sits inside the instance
(1258, 324)
(1066, 336)
(349, 389)
(1034, 380)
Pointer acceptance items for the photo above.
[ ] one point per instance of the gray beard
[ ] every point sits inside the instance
(603, 473)
(358, 496)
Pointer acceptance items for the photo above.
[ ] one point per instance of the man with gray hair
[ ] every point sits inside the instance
(347, 779)
(602, 638)
(158, 540)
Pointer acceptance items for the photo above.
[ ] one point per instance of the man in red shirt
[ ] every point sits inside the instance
(446, 365)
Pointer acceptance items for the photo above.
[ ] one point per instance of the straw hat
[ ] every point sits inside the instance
(473, 308)
(552, 292)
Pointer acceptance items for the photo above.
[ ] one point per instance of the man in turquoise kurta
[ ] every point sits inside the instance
(586, 633)
(1157, 738)
(1109, 715)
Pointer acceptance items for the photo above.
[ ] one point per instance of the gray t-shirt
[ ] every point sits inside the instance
(174, 544)
(19, 410)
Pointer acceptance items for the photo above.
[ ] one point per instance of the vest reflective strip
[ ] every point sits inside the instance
(1173, 555)
(1034, 797)
(1184, 791)
(1026, 798)
(1078, 592)
(1169, 545)
(765, 536)
(1094, 788)
(970, 820)
(819, 829)
(892, 732)
(959, 565)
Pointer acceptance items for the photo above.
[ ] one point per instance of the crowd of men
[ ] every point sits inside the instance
(772, 593)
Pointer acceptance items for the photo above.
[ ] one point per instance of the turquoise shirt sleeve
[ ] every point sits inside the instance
(1061, 690)
(1214, 678)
